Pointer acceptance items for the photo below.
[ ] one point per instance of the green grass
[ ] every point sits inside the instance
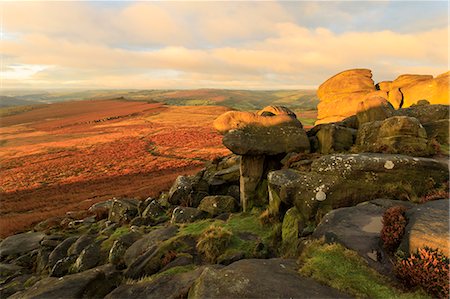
(343, 269)
(168, 272)
(238, 224)
(108, 243)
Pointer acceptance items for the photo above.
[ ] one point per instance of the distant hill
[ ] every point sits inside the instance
(236, 99)
(7, 101)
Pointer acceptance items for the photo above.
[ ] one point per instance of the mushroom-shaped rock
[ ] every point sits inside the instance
(237, 119)
(276, 110)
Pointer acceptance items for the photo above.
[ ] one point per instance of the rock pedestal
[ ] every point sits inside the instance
(258, 137)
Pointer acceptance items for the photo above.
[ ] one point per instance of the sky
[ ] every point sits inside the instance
(215, 44)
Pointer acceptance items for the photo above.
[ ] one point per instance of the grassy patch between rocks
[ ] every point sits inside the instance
(247, 233)
(343, 269)
(168, 272)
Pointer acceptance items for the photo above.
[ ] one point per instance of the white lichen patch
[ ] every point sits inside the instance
(389, 164)
(321, 196)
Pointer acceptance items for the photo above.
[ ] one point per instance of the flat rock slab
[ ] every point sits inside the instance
(428, 225)
(358, 228)
(258, 278)
(166, 286)
(20, 244)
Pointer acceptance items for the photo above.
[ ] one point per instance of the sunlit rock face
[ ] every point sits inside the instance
(341, 95)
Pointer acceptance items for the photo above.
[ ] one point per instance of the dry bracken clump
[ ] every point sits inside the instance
(427, 268)
(213, 242)
(394, 223)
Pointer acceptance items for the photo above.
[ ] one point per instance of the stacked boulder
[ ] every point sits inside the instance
(259, 138)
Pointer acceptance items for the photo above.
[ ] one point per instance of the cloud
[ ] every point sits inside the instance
(189, 45)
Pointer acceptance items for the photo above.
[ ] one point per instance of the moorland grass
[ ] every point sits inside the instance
(345, 270)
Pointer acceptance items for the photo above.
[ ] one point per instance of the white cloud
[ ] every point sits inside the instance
(190, 45)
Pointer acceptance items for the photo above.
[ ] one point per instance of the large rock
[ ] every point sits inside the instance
(255, 278)
(426, 113)
(423, 87)
(82, 242)
(60, 251)
(358, 228)
(428, 225)
(395, 135)
(337, 181)
(20, 244)
(333, 138)
(120, 246)
(123, 210)
(147, 241)
(94, 283)
(88, 258)
(218, 204)
(253, 140)
(165, 286)
(186, 215)
(438, 130)
(373, 109)
(182, 190)
(341, 94)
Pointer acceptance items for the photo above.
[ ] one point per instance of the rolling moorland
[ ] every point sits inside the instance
(355, 207)
(68, 155)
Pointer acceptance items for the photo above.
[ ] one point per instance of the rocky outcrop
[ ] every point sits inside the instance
(257, 137)
(253, 278)
(341, 94)
(422, 87)
(345, 180)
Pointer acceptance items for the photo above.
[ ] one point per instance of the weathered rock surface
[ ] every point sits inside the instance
(373, 109)
(20, 244)
(340, 180)
(166, 286)
(218, 204)
(341, 94)
(187, 214)
(395, 135)
(438, 130)
(256, 278)
(233, 120)
(358, 228)
(60, 251)
(123, 210)
(333, 138)
(147, 241)
(181, 190)
(94, 283)
(428, 225)
(273, 140)
(426, 113)
(82, 242)
(423, 87)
